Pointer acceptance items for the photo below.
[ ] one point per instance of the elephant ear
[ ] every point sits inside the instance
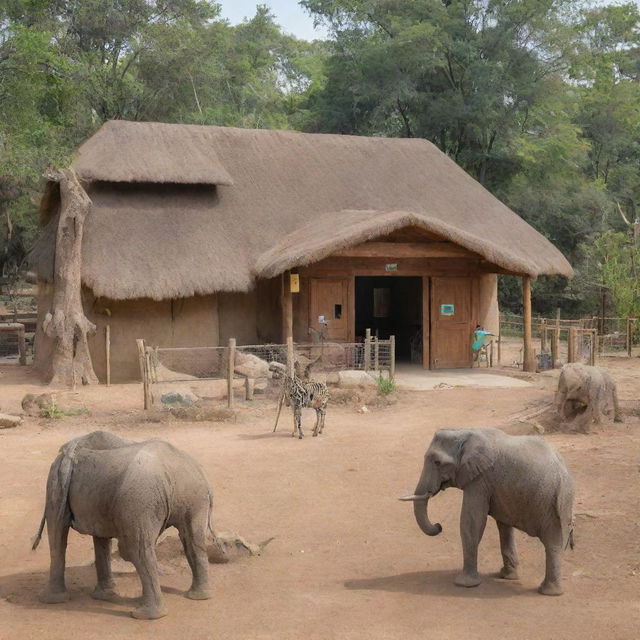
(477, 455)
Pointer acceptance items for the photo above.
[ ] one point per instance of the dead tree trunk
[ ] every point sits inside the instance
(66, 322)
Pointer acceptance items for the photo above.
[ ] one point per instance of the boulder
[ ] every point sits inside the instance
(8, 421)
(179, 398)
(353, 378)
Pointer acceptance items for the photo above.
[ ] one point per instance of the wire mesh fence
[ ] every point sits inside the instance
(221, 371)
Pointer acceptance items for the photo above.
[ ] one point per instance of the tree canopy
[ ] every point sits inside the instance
(539, 100)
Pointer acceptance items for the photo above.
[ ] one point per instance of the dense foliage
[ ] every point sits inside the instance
(537, 99)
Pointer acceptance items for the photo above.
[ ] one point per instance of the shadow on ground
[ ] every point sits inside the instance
(22, 589)
(439, 583)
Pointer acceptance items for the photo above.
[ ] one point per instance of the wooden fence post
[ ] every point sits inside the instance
(555, 346)
(392, 356)
(629, 337)
(376, 354)
(543, 335)
(230, 367)
(22, 346)
(571, 345)
(367, 350)
(594, 342)
(499, 342)
(144, 372)
(107, 350)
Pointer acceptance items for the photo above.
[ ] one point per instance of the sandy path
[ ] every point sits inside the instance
(347, 561)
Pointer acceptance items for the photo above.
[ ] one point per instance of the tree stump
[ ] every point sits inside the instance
(66, 323)
(586, 395)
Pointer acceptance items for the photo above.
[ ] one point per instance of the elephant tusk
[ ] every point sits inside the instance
(414, 498)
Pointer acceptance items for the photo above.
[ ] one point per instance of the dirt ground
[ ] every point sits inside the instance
(348, 561)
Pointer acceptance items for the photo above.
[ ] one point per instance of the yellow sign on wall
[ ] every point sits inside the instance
(295, 283)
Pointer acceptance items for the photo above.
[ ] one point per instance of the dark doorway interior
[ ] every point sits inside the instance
(391, 305)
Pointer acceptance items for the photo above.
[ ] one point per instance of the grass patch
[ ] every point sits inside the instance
(385, 385)
(53, 412)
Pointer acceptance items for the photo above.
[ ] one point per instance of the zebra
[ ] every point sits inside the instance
(301, 393)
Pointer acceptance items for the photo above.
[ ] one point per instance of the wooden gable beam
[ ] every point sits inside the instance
(406, 250)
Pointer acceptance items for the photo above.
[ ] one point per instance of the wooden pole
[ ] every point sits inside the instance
(142, 361)
(555, 346)
(376, 354)
(571, 345)
(287, 307)
(22, 346)
(392, 356)
(367, 350)
(594, 341)
(230, 367)
(290, 357)
(107, 349)
(529, 363)
(499, 342)
(543, 335)
(629, 337)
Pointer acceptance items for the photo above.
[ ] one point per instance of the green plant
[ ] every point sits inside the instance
(385, 385)
(55, 413)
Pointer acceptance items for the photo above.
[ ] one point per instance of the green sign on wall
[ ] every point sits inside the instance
(447, 309)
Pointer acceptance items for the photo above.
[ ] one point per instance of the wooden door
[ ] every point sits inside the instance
(329, 302)
(451, 322)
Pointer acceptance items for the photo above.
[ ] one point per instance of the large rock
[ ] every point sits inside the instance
(179, 398)
(352, 378)
(8, 421)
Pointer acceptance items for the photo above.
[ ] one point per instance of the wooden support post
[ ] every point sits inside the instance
(499, 342)
(629, 337)
(594, 342)
(144, 372)
(376, 355)
(392, 357)
(529, 363)
(290, 357)
(287, 307)
(107, 352)
(367, 350)
(543, 335)
(555, 346)
(231, 361)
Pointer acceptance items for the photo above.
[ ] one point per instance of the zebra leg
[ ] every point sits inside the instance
(298, 420)
(317, 425)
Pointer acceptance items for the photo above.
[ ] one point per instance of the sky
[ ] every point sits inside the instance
(289, 15)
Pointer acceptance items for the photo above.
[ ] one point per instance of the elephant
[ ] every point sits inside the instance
(586, 395)
(108, 487)
(521, 481)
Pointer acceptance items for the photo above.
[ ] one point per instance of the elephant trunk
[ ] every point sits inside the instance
(420, 511)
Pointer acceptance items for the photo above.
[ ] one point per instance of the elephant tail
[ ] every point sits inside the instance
(35, 541)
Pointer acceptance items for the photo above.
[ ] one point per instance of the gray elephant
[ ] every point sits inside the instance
(521, 481)
(108, 487)
(586, 395)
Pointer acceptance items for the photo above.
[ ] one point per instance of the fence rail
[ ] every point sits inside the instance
(578, 340)
(242, 365)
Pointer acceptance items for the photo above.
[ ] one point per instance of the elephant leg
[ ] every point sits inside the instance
(193, 536)
(105, 588)
(509, 552)
(552, 585)
(56, 590)
(143, 555)
(473, 519)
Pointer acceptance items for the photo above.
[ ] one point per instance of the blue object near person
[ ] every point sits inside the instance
(480, 338)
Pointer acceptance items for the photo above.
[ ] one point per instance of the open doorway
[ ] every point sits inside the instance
(391, 305)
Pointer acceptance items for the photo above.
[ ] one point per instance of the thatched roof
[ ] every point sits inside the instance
(122, 151)
(295, 198)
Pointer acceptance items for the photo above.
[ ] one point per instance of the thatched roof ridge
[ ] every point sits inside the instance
(295, 198)
(342, 229)
(122, 151)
